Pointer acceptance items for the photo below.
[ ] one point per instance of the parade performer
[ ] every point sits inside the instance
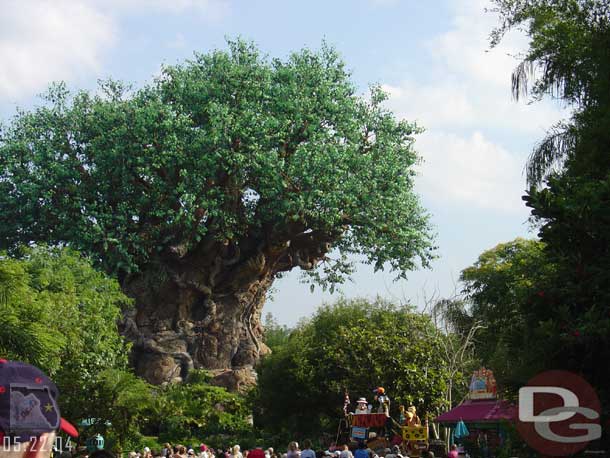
(362, 407)
(346, 403)
(412, 418)
(384, 401)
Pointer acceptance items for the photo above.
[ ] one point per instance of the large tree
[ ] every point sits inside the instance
(199, 189)
(569, 172)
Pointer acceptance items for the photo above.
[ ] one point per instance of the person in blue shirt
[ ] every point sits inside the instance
(361, 451)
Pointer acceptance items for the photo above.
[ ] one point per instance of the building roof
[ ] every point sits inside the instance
(488, 410)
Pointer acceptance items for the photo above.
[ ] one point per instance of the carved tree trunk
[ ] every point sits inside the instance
(202, 309)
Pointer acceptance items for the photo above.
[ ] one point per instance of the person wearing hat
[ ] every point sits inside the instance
(362, 407)
(29, 414)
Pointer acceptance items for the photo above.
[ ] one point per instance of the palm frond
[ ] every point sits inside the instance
(520, 78)
(550, 154)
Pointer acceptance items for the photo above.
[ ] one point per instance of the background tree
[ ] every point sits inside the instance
(276, 335)
(506, 290)
(194, 410)
(355, 345)
(569, 58)
(199, 188)
(460, 334)
(123, 403)
(61, 315)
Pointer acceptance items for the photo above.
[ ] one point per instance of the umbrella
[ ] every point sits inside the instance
(461, 430)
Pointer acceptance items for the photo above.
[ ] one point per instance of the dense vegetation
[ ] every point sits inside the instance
(355, 346)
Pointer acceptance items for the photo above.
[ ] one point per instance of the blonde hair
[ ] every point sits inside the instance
(236, 449)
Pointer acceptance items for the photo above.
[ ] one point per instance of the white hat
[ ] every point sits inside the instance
(361, 401)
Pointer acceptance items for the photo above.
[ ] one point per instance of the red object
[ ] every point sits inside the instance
(2, 390)
(256, 453)
(490, 410)
(369, 420)
(68, 428)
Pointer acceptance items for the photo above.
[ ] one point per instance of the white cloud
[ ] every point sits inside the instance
(47, 40)
(470, 86)
(465, 50)
(432, 105)
(470, 170)
(472, 123)
(460, 104)
(50, 40)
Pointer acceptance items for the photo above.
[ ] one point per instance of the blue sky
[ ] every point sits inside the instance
(432, 57)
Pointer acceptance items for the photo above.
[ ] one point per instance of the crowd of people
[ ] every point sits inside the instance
(292, 451)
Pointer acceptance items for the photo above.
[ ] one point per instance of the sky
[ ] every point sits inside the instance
(432, 57)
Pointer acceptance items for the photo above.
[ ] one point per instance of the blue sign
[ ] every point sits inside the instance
(360, 433)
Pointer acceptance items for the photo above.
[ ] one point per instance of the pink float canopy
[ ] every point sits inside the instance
(475, 411)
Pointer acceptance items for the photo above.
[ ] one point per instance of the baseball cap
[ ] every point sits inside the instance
(28, 403)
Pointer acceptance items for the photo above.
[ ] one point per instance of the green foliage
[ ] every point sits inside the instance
(568, 58)
(570, 44)
(60, 314)
(355, 345)
(507, 289)
(231, 145)
(276, 335)
(194, 410)
(125, 408)
(124, 400)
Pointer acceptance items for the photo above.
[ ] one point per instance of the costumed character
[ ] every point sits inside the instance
(384, 401)
(384, 408)
(362, 407)
(346, 403)
(412, 418)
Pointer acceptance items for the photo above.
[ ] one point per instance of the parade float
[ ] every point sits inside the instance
(379, 429)
(479, 423)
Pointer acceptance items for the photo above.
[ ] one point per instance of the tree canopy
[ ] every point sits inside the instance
(60, 314)
(568, 59)
(507, 292)
(230, 147)
(569, 172)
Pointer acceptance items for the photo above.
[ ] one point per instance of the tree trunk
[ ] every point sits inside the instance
(180, 323)
(201, 308)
